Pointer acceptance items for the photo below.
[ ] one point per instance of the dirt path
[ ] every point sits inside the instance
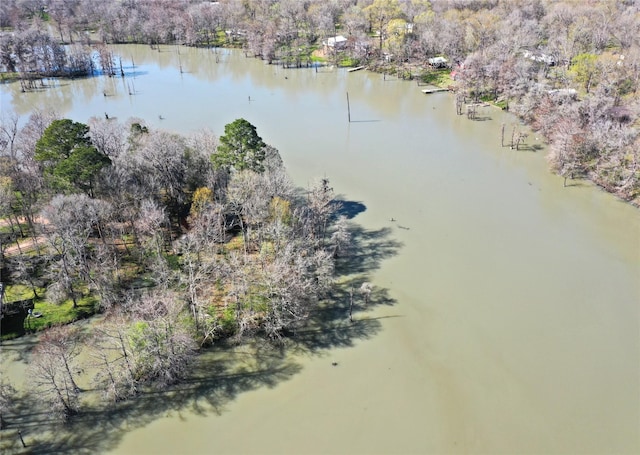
(24, 246)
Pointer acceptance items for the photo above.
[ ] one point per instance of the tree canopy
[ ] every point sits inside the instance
(240, 148)
(68, 157)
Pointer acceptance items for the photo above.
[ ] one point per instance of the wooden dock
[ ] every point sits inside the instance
(430, 90)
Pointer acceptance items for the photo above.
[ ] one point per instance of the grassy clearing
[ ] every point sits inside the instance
(51, 314)
(501, 103)
(440, 77)
(15, 292)
(235, 244)
(348, 62)
(5, 227)
(64, 313)
(8, 77)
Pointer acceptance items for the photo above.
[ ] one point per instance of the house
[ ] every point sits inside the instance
(438, 62)
(563, 92)
(335, 42)
(539, 57)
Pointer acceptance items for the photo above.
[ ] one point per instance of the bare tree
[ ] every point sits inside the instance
(563, 156)
(108, 136)
(162, 346)
(365, 290)
(23, 270)
(151, 226)
(63, 343)
(293, 284)
(200, 272)
(320, 200)
(114, 358)
(50, 369)
(71, 222)
(9, 129)
(341, 236)
(7, 400)
(28, 179)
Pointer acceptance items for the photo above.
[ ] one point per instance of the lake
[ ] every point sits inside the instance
(513, 318)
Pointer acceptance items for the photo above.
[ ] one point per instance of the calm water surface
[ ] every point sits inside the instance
(516, 322)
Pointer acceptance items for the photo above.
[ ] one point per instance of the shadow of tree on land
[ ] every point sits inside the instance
(222, 373)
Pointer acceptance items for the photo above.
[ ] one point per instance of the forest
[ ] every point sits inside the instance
(182, 242)
(570, 69)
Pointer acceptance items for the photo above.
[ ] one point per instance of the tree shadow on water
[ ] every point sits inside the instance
(349, 209)
(529, 147)
(220, 374)
(340, 321)
(339, 324)
(367, 250)
(216, 378)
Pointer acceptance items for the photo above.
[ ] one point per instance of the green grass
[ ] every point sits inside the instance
(142, 281)
(235, 244)
(502, 104)
(489, 98)
(53, 315)
(348, 62)
(15, 232)
(8, 77)
(173, 261)
(440, 77)
(15, 292)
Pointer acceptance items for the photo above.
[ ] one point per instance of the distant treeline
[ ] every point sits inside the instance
(570, 69)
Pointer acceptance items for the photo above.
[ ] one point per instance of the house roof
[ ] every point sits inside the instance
(335, 40)
(437, 60)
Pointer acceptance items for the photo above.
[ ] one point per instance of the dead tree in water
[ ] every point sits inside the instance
(471, 111)
(366, 290)
(351, 304)
(520, 138)
(459, 103)
(502, 136)
(106, 61)
(28, 82)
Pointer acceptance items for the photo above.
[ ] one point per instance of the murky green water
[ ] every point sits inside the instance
(516, 322)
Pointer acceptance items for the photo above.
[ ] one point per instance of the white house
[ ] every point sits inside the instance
(539, 57)
(337, 42)
(438, 62)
